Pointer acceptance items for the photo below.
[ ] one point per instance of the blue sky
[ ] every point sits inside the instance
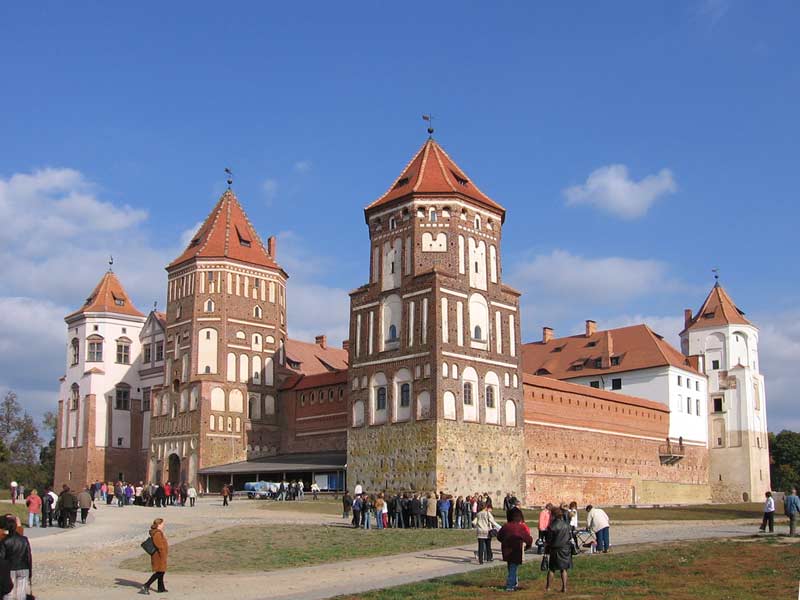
(635, 146)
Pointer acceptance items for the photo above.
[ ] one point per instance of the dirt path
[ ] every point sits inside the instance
(83, 562)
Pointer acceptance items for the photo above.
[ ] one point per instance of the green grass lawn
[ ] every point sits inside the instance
(277, 547)
(701, 512)
(323, 506)
(746, 569)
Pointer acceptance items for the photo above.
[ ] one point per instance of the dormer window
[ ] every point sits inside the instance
(598, 363)
(119, 301)
(194, 242)
(401, 182)
(615, 361)
(460, 178)
(708, 315)
(243, 239)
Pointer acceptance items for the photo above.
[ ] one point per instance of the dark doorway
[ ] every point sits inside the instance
(174, 473)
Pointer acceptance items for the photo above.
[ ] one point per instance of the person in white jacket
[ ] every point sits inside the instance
(484, 523)
(769, 514)
(597, 521)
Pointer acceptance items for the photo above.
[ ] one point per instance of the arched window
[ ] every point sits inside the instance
(432, 215)
(489, 396)
(75, 345)
(405, 395)
(210, 306)
(477, 222)
(392, 223)
(380, 403)
(257, 312)
(468, 393)
(477, 333)
(75, 396)
(392, 333)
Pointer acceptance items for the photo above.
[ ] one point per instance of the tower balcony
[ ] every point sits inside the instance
(670, 454)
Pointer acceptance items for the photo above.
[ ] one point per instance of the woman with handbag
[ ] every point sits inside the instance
(158, 558)
(16, 551)
(485, 525)
(515, 538)
(558, 548)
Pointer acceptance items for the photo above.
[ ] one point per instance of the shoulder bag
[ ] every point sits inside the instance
(149, 546)
(545, 566)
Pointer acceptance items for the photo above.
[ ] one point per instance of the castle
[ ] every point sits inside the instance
(432, 390)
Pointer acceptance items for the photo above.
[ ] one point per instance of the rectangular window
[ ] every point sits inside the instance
(145, 399)
(595, 384)
(95, 352)
(697, 407)
(688, 383)
(616, 384)
(718, 405)
(615, 361)
(689, 405)
(159, 351)
(715, 364)
(123, 353)
(598, 363)
(122, 400)
(147, 351)
(680, 380)
(697, 386)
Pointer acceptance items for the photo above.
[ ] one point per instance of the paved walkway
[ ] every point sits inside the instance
(83, 562)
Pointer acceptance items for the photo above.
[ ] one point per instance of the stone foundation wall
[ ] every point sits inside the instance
(396, 457)
(472, 457)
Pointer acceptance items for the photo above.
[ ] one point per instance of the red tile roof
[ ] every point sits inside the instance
(313, 359)
(108, 296)
(718, 309)
(585, 390)
(636, 347)
(227, 233)
(162, 319)
(433, 172)
(305, 382)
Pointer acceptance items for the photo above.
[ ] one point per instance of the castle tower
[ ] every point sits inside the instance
(436, 397)
(226, 330)
(99, 427)
(726, 345)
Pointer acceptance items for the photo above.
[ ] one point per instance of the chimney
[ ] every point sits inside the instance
(321, 341)
(609, 345)
(346, 345)
(687, 317)
(272, 246)
(547, 334)
(591, 328)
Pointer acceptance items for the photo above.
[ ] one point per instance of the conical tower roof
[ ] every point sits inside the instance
(718, 309)
(108, 296)
(431, 172)
(227, 233)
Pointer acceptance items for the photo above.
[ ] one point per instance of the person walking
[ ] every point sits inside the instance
(315, 491)
(158, 560)
(84, 503)
(484, 524)
(791, 506)
(34, 504)
(558, 542)
(597, 521)
(191, 493)
(769, 514)
(13, 491)
(47, 508)
(226, 492)
(69, 507)
(16, 550)
(515, 538)
(544, 520)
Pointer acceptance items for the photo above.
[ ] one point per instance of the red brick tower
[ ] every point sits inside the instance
(226, 330)
(436, 398)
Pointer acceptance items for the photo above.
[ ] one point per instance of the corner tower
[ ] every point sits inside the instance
(436, 398)
(725, 343)
(226, 330)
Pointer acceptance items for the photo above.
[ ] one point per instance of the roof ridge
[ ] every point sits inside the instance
(400, 176)
(426, 149)
(654, 337)
(437, 150)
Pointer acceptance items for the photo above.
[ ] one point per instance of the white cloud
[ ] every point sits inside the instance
(270, 189)
(608, 279)
(611, 189)
(779, 347)
(712, 11)
(302, 166)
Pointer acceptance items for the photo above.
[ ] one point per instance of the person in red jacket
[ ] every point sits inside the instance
(515, 538)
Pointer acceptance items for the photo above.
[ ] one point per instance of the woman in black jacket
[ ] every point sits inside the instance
(16, 551)
(558, 539)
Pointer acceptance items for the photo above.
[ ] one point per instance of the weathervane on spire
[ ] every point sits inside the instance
(110, 262)
(715, 271)
(429, 119)
(229, 173)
